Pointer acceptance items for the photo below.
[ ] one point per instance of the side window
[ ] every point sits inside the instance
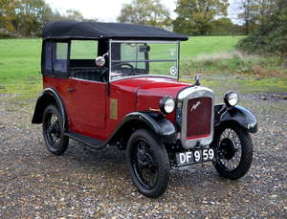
(82, 63)
(61, 59)
(48, 67)
(56, 59)
(84, 49)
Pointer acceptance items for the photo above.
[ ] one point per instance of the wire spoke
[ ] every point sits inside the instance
(231, 150)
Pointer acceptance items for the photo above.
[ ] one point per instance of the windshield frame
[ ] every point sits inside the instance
(176, 42)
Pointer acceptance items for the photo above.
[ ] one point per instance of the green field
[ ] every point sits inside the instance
(214, 57)
(197, 46)
(20, 58)
(20, 66)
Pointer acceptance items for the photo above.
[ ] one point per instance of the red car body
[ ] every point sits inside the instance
(90, 115)
(125, 92)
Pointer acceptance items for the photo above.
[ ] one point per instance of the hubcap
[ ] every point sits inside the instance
(228, 149)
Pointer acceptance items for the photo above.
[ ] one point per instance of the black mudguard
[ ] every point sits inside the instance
(238, 114)
(162, 128)
(48, 96)
(164, 131)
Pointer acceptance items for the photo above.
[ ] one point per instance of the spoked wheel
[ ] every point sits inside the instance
(234, 149)
(144, 164)
(148, 163)
(53, 131)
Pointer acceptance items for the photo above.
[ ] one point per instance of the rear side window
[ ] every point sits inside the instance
(61, 60)
(48, 58)
(62, 51)
(56, 59)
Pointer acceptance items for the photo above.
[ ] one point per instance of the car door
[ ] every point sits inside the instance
(86, 93)
(87, 100)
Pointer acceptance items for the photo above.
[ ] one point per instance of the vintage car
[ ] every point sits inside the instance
(114, 84)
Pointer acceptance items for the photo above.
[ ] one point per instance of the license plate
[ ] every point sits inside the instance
(195, 156)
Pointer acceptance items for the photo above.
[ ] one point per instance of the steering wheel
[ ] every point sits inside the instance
(130, 67)
(104, 74)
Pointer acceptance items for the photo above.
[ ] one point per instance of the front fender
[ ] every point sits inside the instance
(237, 114)
(162, 128)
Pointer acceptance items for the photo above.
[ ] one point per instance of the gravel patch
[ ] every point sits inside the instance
(84, 183)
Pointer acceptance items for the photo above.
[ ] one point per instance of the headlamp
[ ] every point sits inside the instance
(231, 98)
(167, 105)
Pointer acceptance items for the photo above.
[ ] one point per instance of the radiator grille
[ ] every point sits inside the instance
(199, 116)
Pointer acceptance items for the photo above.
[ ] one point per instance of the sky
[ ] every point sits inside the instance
(109, 10)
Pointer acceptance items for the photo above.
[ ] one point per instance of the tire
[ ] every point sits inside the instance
(223, 151)
(145, 153)
(55, 140)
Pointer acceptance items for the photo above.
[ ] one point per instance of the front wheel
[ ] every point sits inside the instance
(148, 163)
(234, 150)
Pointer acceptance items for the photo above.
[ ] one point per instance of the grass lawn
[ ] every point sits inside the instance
(214, 57)
(20, 67)
(19, 60)
(197, 46)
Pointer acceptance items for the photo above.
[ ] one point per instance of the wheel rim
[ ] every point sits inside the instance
(52, 129)
(144, 164)
(229, 150)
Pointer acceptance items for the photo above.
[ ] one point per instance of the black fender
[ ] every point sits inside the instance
(237, 114)
(48, 96)
(163, 129)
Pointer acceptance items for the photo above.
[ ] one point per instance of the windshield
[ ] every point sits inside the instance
(143, 58)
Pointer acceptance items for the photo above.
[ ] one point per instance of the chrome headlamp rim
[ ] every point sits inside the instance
(167, 105)
(231, 98)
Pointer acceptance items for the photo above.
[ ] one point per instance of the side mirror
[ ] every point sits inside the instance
(100, 61)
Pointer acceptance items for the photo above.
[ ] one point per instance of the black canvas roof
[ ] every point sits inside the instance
(97, 30)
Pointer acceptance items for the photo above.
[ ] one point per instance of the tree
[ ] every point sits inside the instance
(245, 15)
(271, 35)
(23, 17)
(31, 17)
(7, 14)
(195, 16)
(149, 12)
(254, 13)
(27, 17)
(224, 26)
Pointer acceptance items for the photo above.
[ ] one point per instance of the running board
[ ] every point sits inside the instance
(94, 143)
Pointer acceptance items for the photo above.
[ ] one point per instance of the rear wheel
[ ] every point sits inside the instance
(234, 151)
(148, 164)
(53, 131)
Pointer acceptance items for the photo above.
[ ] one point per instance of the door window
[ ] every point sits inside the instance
(84, 49)
(82, 62)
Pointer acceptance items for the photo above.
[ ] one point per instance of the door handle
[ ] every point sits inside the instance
(71, 89)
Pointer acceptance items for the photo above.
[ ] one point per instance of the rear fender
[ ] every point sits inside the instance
(48, 96)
